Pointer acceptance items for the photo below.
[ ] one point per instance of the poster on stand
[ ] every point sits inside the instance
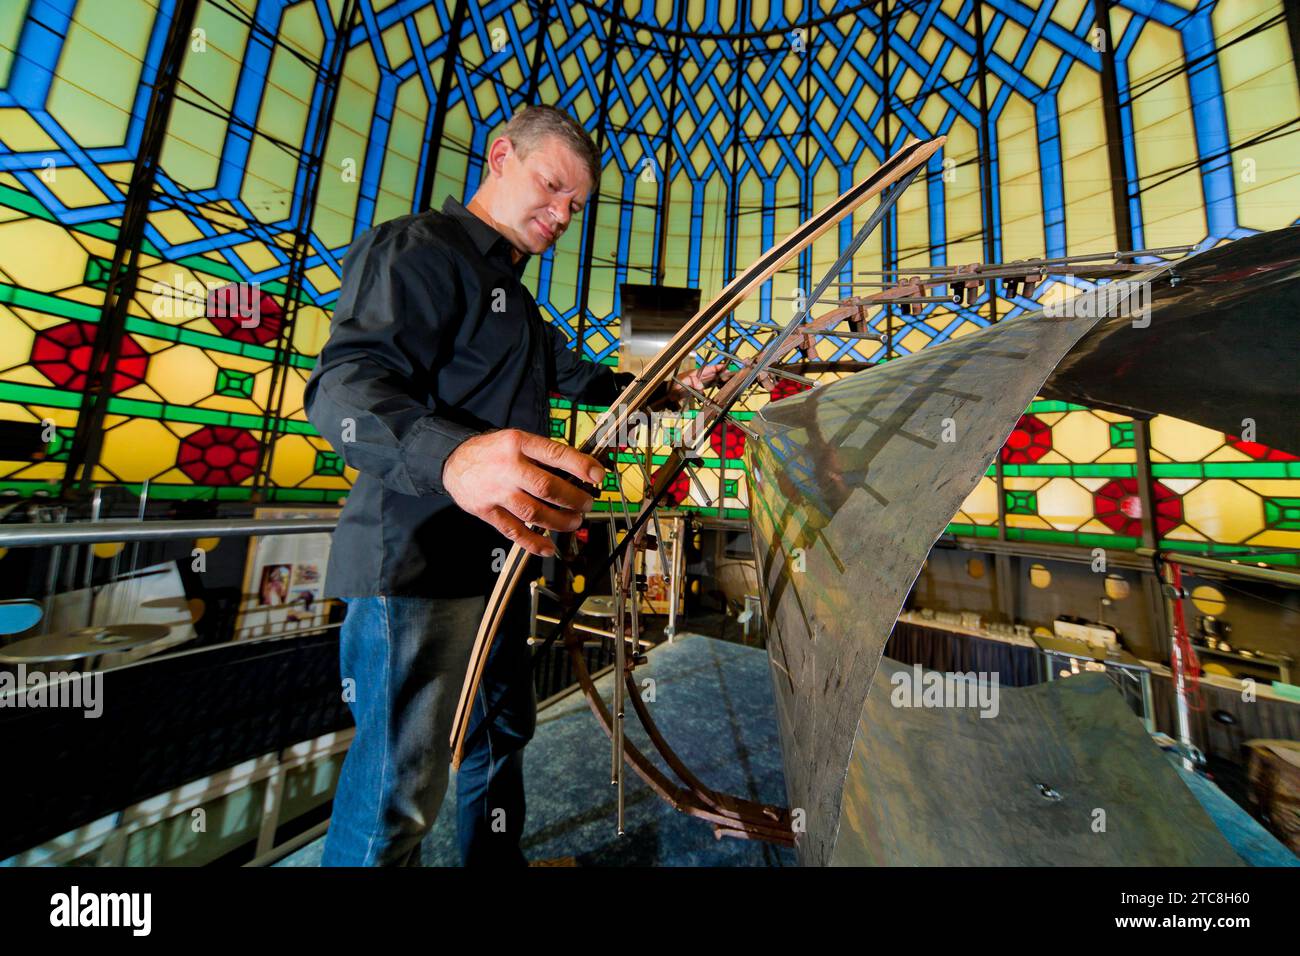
(284, 578)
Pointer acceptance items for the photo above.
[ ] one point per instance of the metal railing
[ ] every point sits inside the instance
(94, 532)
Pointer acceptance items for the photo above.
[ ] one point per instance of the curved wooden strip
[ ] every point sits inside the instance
(724, 804)
(735, 818)
(659, 369)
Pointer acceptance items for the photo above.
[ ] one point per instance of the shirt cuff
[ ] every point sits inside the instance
(427, 448)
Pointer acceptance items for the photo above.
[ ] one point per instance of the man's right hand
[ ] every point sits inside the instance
(501, 477)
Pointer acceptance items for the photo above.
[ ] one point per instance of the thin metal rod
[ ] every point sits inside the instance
(679, 543)
(587, 629)
(792, 376)
(1033, 263)
(923, 300)
(42, 536)
(843, 334)
(52, 576)
(96, 501)
(850, 334)
(755, 324)
(773, 350)
(914, 270)
(141, 509)
(999, 271)
(616, 590)
(704, 492)
(1227, 567)
(620, 665)
(699, 396)
(643, 464)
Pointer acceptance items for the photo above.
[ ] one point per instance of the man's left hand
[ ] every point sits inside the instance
(698, 379)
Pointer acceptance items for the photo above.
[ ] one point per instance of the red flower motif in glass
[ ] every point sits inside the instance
(63, 353)
(218, 455)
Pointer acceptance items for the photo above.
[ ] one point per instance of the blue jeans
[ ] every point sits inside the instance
(407, 658)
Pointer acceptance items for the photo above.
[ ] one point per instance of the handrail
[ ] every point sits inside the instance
(92, 532)
(1227, 565)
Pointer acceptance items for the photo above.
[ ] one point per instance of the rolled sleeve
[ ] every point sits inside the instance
(427, 449)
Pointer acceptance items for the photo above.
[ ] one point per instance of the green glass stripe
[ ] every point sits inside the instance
(156, 490)
(31, 206)
(973, 530)
(50, 304)
(329, 495)
(205, 340)
(135, 407)
(205, 416)
(240, 493)
(565, 403)
(1081, 538)
(1224, 550)
(733, 464)
(81, 312)
(27, 486)
(17, 199)
(1068, 471)
(58, 398)
(24, 202)
(39, 395)
(221, 270)
(1228, 469)
(233, 494)
(1053, 406)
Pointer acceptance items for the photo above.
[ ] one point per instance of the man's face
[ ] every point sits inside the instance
(540, 194)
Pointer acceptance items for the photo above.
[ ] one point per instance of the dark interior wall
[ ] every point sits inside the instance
(1264, 617)
(945, 584)
(1077, 590)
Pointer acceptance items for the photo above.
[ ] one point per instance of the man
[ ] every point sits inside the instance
(433, 385)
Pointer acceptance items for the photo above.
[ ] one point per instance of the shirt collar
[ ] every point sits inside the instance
(485, 238)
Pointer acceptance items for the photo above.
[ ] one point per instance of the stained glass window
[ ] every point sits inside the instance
(295, 126)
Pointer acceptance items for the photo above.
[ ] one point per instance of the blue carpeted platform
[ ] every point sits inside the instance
(1252, 842)
(713, 703)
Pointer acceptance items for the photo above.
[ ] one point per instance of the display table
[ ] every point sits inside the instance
(953, 648)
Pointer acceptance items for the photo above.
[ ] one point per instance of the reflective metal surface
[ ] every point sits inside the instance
(1062, 774)
(851, 485)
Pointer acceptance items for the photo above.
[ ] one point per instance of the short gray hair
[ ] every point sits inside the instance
(530, 125)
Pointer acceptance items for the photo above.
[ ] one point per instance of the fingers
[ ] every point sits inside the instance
(533, 512)
(550, 487)
(515, 531)
(710, 373)
(561, 456)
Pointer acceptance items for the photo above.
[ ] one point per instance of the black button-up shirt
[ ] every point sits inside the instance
(434, 339)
